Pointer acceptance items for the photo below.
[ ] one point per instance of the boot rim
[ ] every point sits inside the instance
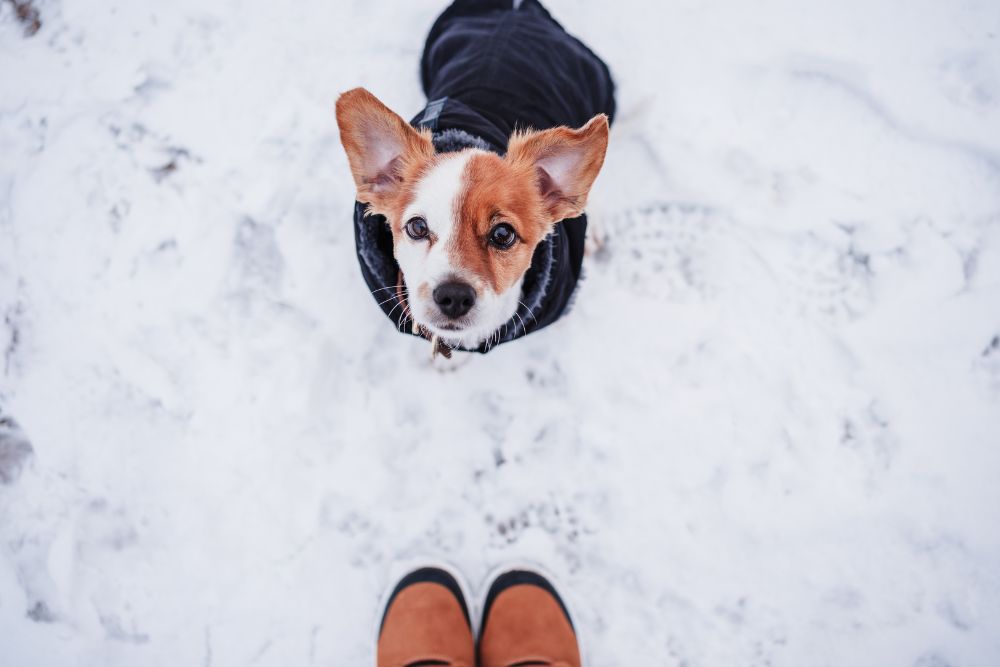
(432, 575)
(518, 577)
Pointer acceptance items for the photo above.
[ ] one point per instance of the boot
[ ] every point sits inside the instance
(526, 623)
(426, 622)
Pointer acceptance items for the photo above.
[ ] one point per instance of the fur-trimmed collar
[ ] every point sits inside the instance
(454, 139)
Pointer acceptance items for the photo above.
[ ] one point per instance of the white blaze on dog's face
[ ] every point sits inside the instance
(465, 225)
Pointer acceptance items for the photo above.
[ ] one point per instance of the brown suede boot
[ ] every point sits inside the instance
(426, 622)
(526, 623)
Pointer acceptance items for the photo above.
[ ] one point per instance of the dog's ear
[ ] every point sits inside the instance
(565, 162)
(380, 146)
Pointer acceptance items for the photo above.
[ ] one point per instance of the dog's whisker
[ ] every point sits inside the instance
(524, 327)
(394, 296)
(401, 303)
(384, 288)
(407, 317)
(403, 318)
(529, 310)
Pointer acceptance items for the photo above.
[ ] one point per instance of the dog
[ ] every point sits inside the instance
(469, 222)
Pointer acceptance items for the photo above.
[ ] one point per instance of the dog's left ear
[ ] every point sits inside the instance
(380, 146)
(565, 161)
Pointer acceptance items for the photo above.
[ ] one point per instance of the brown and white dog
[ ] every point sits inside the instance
(465, 224)
(470, 225)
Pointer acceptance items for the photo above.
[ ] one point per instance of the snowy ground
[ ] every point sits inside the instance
(768, 433)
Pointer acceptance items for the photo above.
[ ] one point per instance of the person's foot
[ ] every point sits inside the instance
(525, 623)
(426, 623)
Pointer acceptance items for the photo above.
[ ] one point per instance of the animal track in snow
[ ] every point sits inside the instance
(825, 279)
(15, 450)
(988, 365)
(869, 435)
(560, 521)
(662, 248)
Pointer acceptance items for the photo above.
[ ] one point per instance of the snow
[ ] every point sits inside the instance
(767, 434)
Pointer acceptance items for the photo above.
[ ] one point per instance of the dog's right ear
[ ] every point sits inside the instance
(382, 148)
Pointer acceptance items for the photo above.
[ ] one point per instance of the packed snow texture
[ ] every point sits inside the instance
(768, 433)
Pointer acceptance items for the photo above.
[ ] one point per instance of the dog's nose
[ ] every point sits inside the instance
(455, 298)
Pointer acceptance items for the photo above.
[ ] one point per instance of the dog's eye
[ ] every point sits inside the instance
(502, 236)
(416, 228)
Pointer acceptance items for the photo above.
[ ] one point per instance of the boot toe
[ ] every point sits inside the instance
(526, 622)
(426, 621)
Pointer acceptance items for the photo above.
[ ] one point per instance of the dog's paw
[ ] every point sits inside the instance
(443, 364)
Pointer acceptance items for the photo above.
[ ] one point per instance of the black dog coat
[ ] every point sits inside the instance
(488, 70)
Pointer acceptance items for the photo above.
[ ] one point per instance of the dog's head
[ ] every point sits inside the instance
(465, 224)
